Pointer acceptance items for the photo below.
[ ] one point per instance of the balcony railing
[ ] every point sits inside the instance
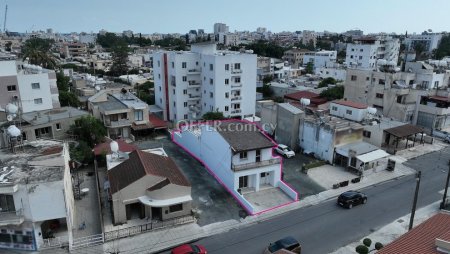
(193, 97)
(236, 71)
(236, 98)
(236, 85)
(119, 123)
(194, 71)
(194, 83)
(11, 218)
(257, 164)
(236, 111)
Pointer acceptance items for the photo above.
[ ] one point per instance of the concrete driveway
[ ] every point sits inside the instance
(210, 200)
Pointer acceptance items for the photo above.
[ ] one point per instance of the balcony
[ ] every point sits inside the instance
(194, 97)
(195, 109)
(236, 98)
(119, 123)
(194, 84)
(236, 111)
(173, 83)
(236, 71)
(11, 218)
(236, 85)
(258, 164)
(194, 71)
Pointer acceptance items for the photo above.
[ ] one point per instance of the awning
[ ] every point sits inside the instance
(139, 127)
(164, 202)
(371, 156)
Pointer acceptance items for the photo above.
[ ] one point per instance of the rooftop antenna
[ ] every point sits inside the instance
(4, 22)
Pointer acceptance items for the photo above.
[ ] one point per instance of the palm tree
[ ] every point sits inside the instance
(37, 51)
(419, 47)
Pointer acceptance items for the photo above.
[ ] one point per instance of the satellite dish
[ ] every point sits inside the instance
(114, 146)
(9, 118)
(13, 131)
(11, 109)
(98, 88)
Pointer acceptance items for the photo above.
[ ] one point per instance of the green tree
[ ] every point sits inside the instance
(89, 129)
(8, 46)
(267, 79)
(266, 90)
(333, 93)
(67, 98)
(443, 49)
(62, 81)
(327, 81)
(81, 152)
(419, 48)
(367, 242)
(213, 115)
(309, 68)
(378, 246)
(38, 52)
(268, 49)
(143, 92)
(120, 59)
(361, 249)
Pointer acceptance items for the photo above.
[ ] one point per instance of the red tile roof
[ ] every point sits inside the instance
(105, 147)
(421, 239)
(352, 104)
(157, 122)
(303, 94)
(140, 164)
(440, 98)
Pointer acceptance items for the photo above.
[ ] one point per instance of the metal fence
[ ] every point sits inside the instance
(87, 241)
(134, 230)
(56, 242)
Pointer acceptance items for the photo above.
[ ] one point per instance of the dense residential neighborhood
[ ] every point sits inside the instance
(218, 140)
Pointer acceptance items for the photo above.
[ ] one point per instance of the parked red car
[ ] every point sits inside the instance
(189, 249)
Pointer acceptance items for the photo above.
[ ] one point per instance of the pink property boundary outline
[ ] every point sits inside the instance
(219, 180)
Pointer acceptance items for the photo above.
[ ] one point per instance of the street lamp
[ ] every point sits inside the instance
(411, 220)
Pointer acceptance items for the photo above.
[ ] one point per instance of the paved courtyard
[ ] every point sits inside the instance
(267, 198)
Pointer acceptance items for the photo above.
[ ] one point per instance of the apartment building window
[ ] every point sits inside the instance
(353, 78)
(211, 67)
(237, 66)
(227, 67)
(184, 78)
(38, 101)
(139, 115)
(196, 63)
(185, 116)
(173, 64)
(425, 84)
(185, 91)
(160, 100)
(226, 108)
(211, 81)
(367, 78)
(334, 108)
(436, 84)
(353, 49)
(12, 88)
(243, 155)
(159, 63)
(175, 208)
(381, 82)
(361, 50)
(227, 95)
(7, 203)
(160, 89)
(185, 104)
(351, 56)
(366, 134)
(379, 95)
(174, 104)
(173, 91)
(349, 112)
(159, 76)
(237, 106)
(184, 65)
(237, 80)
(360, 57)
(227, 81)
(211, 94)
(35, 86)
(58, 126)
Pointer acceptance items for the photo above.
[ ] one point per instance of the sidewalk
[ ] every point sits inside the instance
(393, 230)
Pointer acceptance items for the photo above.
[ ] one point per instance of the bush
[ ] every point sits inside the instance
(361, 249)
(378, 246)
(314, 164)
(367, 242)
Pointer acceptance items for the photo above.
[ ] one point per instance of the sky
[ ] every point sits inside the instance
(180, 16)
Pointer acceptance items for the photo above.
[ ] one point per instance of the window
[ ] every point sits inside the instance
(185, 116)
(351, 56)
(211, 67)
(183, 65)
(379, 95)
(353, 49)
(211, 81)
(436, 84)
(160, 89)
(185, 104)
(38, 101)
(184, 78)
(11, 88)
(349, 112)
(159, 76)
(367, 78)
(334, 108)
(173, 91)
(227, 95)
(58, 126)
(425, 84)
(211, 94)
(361, 50)
(360, 57)
(353, 78)
(226, 108)
(159, 63)
(237, 66)
(381, 82)
(227, 67)
(227, 81)
(366, 134)
(173, 64)
(174, 104)
(185, 91)
(7, 203)
(138, 115)
(196, 63)
(175, 208)
(237, 80)
(35, 86)
(243, 155)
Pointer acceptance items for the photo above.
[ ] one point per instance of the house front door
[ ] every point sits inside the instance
(265, 178)
(156, 213)
(243, 182)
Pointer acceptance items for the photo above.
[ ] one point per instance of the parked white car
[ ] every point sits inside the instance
(285, 151)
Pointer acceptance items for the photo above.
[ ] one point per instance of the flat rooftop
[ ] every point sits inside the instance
(130, 100)
(46, 116)
(333, 122)
(37, 162)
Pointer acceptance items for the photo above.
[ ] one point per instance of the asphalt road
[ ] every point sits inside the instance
(325, 227)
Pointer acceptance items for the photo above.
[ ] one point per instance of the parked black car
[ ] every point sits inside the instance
(349, 199)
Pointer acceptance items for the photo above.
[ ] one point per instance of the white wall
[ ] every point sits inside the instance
(8, 68)
(27, 94)
(356, 115)
(316, 140)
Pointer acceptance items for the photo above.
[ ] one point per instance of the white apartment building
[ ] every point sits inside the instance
(349, 110)
(190, 84)
(308, 37)
(430, 41)
(220, 28)
(320, 59)
(30, 87)
(364, 52)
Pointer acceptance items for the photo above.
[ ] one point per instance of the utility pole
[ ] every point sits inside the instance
(411, 220)
(446, 187)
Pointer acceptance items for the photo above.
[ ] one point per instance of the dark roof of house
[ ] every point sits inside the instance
(404, 130)
(421, 239)
(243, 136)
(302, 94)
(140, 164)
(106, 148)
(352, 104)
(111, 104)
